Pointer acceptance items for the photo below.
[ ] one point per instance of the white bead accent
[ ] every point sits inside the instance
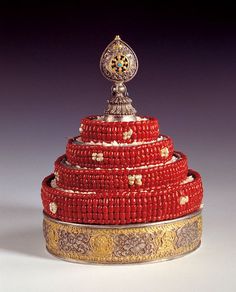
(183, 200)
(135, 179)
(53, 207)
(131, 179)
(97, 156)
(138, 180)
(56, 175)
(127, 135)
(164, 152)
(81, 128)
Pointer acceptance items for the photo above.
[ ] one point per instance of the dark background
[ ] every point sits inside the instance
(50, 79)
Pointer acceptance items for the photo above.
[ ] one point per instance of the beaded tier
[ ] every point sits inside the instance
(121, 193)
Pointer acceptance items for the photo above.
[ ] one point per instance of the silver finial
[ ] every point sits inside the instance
(119, 64)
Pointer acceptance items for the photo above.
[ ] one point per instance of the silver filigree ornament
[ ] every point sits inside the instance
(119, 64)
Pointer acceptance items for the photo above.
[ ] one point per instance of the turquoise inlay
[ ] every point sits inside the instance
(119, 64)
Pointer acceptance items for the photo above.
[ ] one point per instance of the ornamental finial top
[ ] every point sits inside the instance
(119, 64)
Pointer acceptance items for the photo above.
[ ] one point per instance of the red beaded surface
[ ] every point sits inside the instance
(119, 156)
(123, 207)
(80, 179)
(97, 130)
(121, 184)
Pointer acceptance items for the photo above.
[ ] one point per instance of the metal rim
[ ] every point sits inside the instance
(138, 225)
(122, 263)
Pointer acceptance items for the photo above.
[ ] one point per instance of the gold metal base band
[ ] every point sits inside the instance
(120, 244)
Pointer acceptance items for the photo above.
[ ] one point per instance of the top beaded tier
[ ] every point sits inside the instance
(95, 129)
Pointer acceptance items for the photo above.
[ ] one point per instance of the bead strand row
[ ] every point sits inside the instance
(96, 130)
(119, 156)
(105, 207)
(73, 178)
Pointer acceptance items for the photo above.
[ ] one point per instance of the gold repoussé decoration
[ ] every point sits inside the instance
(123, 244)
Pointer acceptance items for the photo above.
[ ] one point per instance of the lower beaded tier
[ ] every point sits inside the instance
(134, 243)
(122, 207)
(77, 178)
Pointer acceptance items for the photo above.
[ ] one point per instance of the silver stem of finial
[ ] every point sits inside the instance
(119, 107)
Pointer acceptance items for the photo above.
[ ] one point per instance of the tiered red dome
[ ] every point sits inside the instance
(114, 192)
(121, 173)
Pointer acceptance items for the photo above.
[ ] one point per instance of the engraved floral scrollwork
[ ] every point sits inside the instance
(72, 242)
(134, 244)
(187, 234)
